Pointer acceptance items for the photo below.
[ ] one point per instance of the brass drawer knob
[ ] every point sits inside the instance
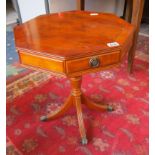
(94, 62)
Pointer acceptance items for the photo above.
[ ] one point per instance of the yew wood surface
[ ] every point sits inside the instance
(133, 14)
(67, 43)
(72, 34)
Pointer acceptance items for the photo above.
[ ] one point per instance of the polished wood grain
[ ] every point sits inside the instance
(82, 64)
(72, 34)
(133, 14)
(72, 40)
(72, 44)
(41, 62)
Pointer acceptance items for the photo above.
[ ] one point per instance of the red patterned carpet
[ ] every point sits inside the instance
(122, 132)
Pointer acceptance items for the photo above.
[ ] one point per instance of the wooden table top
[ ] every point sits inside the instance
(72, 34)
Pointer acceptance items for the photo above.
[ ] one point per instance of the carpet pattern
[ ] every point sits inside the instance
(124, 131)
(31, 94)
(13, 70)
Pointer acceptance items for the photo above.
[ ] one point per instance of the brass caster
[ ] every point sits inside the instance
(84, 141)
(110, 108)
(43, 118)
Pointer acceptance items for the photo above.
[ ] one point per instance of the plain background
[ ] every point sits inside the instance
(32, 8)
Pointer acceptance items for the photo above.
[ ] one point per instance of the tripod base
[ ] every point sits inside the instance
(76, 99)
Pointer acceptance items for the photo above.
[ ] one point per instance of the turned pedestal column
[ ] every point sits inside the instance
(76, 99)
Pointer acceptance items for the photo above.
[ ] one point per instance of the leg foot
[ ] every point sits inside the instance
(94, 106)
(84, 141)
(43, 118)
(110, 108)
(80, 119)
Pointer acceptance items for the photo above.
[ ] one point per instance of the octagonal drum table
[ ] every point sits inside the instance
(72, 44)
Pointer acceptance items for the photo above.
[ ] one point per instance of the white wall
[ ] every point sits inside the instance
(114, 6)
(31, 8)
(62, 5)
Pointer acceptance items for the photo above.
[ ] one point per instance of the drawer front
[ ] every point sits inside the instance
(92, 62)
(41, 62)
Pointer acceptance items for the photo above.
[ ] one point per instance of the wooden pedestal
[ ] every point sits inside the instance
(76, 98)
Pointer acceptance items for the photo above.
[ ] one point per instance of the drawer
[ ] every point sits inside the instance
(92, 62)
(41, 62)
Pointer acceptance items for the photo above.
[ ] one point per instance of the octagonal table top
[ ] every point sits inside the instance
(71, 34)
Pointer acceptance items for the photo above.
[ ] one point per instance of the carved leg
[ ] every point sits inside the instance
(94, 106)
(77, 98)
(59, 112)
(76, 93)
(137, 13)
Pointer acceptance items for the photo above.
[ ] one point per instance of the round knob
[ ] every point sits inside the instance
(94, 62)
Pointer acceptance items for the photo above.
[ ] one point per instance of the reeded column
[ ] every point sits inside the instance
(76, 93)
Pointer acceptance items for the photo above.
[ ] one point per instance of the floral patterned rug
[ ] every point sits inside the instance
(122, 132)
(31, 94)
